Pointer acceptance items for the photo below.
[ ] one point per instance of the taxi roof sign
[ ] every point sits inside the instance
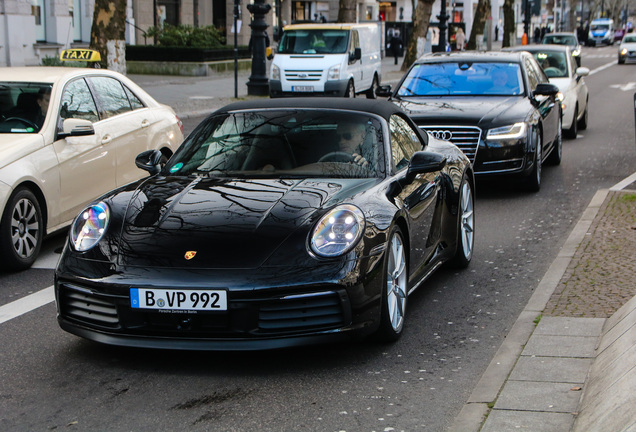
(77, 54)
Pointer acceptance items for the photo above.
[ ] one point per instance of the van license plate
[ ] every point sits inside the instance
(174, 299)
(302, 88)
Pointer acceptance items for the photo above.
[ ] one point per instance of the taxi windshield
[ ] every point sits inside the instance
(23, 106)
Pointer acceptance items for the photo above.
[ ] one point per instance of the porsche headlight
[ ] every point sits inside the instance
(515, 131)
(89, 227)
(337, 232)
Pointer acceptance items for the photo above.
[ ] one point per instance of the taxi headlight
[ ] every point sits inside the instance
(515, 131)
(89, 227)
(333, 73)
(275, 72)
(338, 231)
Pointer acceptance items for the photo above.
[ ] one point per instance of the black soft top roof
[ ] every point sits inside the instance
(381, 108)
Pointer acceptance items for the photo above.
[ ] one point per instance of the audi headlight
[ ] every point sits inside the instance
(337, 232)
(333, 73)
(515, 131)
(89, 227)
(275, 72)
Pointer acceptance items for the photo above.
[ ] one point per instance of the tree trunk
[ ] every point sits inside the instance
(415, 47)
(479, 22)
(509, 27)
(108, 33)
(347, 11)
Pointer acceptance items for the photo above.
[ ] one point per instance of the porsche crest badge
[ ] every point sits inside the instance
(190, 254)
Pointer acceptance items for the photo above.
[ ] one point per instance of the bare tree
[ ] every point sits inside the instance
(108, 33)
(509, 27)
(479, 22)
(415, 47)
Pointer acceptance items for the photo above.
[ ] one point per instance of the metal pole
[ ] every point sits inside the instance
(237, 4)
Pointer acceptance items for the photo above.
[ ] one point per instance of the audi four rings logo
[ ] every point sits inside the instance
(445, 135)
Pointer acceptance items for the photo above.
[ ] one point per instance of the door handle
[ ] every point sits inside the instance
(145, 123)
(106, 139)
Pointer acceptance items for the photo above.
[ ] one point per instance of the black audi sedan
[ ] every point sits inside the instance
(277, 223)
(498, 107)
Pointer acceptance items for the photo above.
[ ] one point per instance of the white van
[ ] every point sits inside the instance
(327, 60)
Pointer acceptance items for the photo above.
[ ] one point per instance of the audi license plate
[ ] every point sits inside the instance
(302, 88)
(173, 299)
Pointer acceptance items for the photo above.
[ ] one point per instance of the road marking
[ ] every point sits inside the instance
(602, 68)
(26, 304)
(625, 87)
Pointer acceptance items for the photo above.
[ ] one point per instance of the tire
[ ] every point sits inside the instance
(465, 225)
(395, 289)
(532, 182)
(584, 119)
(557, 150)
(21, 231)
(374, 86)
(574, 130)
(350, 92)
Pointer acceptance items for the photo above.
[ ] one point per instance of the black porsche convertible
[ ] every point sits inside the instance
(276, 223)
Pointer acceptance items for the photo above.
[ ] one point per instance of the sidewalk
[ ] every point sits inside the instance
(568, 363)
(198, 96)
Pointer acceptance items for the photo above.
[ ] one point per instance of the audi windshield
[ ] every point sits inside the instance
(463, 79)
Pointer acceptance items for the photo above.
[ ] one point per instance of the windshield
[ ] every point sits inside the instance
(23, 106)
(463, 79)
(630, 39)
(554, 64)
(283, 144)
(603, 27)
(318, 41)
(560, 40)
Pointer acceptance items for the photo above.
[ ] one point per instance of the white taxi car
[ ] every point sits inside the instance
(68, 135)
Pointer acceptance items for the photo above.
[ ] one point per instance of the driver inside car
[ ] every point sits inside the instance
(352, 136)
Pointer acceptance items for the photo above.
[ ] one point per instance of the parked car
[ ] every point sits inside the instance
(569, 39)
(277, 223)
(627, 48)
(498, 107)
(560, 67)
(68, 135)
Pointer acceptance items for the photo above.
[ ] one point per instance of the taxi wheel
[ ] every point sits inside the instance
(21, 231)
(574, 129)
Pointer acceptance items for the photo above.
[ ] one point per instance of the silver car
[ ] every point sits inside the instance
(557, 61)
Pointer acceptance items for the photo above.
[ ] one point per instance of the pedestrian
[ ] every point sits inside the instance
(395, 44)
(537, 35)
(460, 39)
(496, 33)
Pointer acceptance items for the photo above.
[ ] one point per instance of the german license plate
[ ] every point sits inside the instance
(173, 299)
(302, 88)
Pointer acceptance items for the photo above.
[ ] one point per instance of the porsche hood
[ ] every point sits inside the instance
(222, 223)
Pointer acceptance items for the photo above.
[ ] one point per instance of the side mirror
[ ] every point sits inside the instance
(384, 90)
(546, 89)
(424, 162)
(582, 71)
(149, 160)
(357, 55)
(72, 127)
